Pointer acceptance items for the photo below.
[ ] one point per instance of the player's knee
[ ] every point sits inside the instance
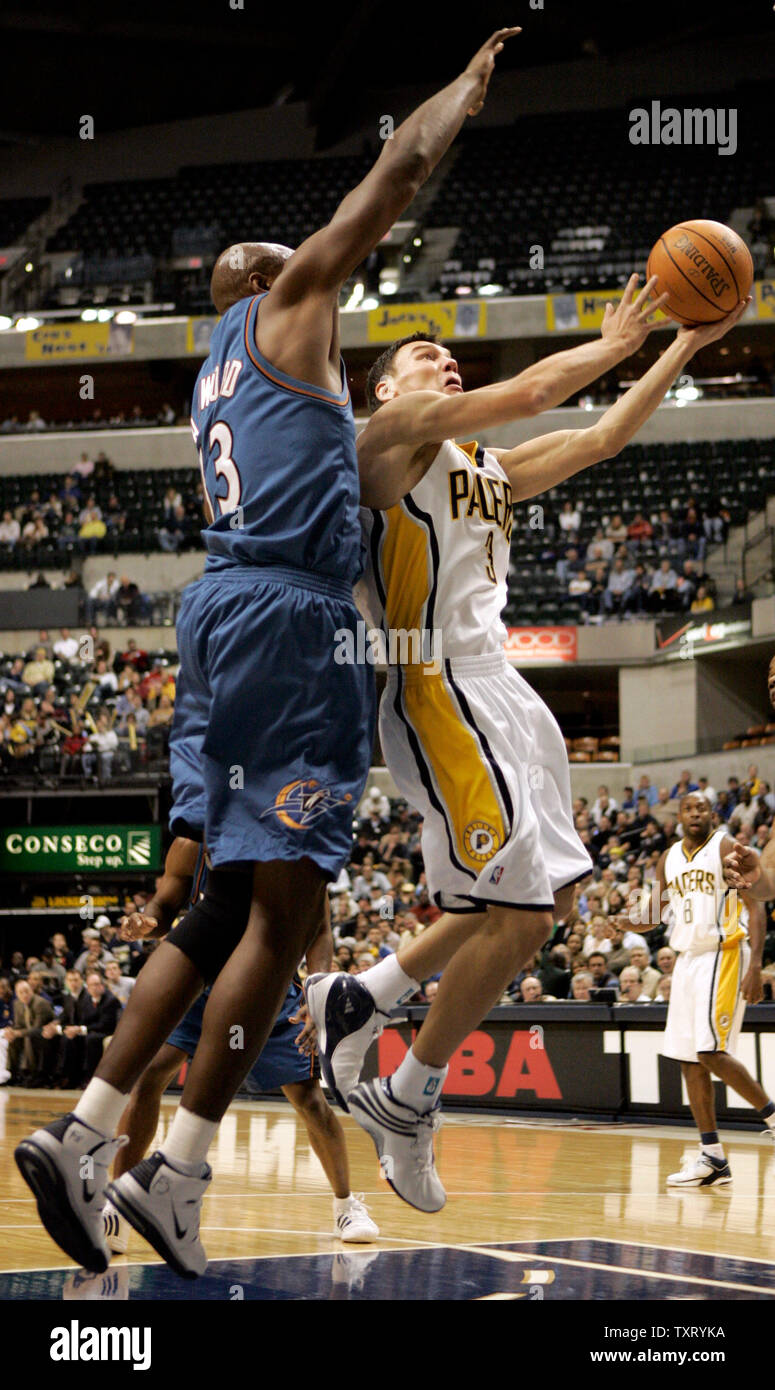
(311, 1104)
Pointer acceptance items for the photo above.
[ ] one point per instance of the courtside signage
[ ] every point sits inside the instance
(48, 849)
(541, 644)
(455, 318)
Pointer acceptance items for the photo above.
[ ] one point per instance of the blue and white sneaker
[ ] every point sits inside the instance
(704, 1170)
(404, 1143)
(164, 1206)
(347, 1021)
(66, 1166)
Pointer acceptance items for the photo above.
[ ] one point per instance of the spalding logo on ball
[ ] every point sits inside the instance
(706, 269)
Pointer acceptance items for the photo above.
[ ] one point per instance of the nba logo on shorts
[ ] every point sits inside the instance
(497, 874)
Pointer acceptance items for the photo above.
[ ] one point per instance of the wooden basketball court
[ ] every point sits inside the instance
(540, 1209)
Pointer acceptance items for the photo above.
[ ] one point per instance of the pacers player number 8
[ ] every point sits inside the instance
(225, 467)
(490, 562)
(688, 910)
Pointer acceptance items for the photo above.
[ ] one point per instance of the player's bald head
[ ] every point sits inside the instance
(246, 268)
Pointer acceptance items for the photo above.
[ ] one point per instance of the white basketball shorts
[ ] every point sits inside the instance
(706, 1006)
(479, 755)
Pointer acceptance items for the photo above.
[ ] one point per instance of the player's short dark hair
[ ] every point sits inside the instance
(383, 365)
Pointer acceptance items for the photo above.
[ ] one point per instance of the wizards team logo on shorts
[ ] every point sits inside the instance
(300, 803)
(481, 840)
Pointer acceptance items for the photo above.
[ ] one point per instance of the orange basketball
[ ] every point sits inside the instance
(706, 269)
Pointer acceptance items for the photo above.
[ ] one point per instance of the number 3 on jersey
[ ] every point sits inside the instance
(225, 467)
(490, 562)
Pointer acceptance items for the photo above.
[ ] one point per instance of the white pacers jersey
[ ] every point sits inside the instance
(707, 913)
(439, 560)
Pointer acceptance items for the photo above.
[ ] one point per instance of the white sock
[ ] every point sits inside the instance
(189, 1139)
(715, 1150)
(342, 1203)
(101, 1106)
(416, 1084)
(388, 984)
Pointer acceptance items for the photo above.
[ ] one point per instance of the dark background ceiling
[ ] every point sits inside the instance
(157, 60)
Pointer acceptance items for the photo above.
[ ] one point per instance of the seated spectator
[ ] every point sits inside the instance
(62, 954)
(602, 977)
(639, 529)
(119, 985)
(599, 549)
(666, 959)
(662, 995)
(702, 603)
(662, 587)
(616, 529)
(102, 598)
(649, 977)
(31, 1050)
(631, 987)
(531, 992)
(597, 938)
(176, 531)
(581, 987)
(99, 750)
(66, 646)
(92, 946)
(89, 1019)
(39, 673)
(570, 517)
(603, 805)
(554, 972)
(10, 530)
(620, 582)
(131, 605)
(132, 656)
(579, 584)
(703, 785)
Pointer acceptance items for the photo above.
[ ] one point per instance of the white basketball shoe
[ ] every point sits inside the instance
(164, 1206)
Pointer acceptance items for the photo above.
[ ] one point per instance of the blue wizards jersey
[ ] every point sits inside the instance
(278, 460)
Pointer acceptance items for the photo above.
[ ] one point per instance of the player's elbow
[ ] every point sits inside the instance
(535, 399)
(603, 443)
(409, 169)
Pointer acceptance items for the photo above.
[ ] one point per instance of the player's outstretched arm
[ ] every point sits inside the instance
(544, 462)
(408, 157)
(757, 926)
(172, 890)
(746, 870)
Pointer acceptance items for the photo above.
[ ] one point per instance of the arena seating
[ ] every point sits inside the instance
(576, 187)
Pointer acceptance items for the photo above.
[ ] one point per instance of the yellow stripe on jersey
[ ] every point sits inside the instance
(461, 774)
(726, 992)
(405, 570)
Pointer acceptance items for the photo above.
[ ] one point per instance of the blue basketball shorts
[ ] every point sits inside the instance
(272, 738)
(280, 1063)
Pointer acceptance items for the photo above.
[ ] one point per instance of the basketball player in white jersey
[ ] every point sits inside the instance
(745, 867)
(469, 744)
(718, 934)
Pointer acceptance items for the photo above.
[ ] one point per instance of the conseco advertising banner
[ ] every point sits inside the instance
(456, 318)
(541, 644)
(583, 310)
(48, 849)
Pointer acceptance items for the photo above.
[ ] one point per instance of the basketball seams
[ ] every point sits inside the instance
(713, 302)
(704, 236)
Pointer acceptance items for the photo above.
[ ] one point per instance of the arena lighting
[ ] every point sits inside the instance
(69, 273)
(417, 241)
(25, 325)
(5, 322)
(388, 287)
(407, 259)
(687, 393)
(463, 289)
(126, 316)
(29, 267)
(369, 302)
(88, 315)
(490, 289)
(104, 315)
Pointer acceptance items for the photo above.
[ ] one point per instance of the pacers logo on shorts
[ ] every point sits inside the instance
(724, 1021)
(481, 840)
(300, 803)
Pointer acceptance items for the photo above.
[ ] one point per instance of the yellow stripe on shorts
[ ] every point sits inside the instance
(726, 993)
(462, 776)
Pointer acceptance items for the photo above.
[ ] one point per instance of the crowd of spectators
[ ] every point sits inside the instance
(598, 953)
(651, 565)
(74, 708)
(133, 418)
(58, 1010)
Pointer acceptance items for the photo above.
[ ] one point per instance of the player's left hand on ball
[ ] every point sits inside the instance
(307, 1039)
(752, 985)
(632, 319)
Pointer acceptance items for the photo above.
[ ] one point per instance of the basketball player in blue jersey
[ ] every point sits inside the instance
(461, 735)
(281, 1065)
(286, 730)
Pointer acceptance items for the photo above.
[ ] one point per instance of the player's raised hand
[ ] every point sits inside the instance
(705, 333)
(741, 867)
(136, 926)
(632, 319)
(483, 62)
